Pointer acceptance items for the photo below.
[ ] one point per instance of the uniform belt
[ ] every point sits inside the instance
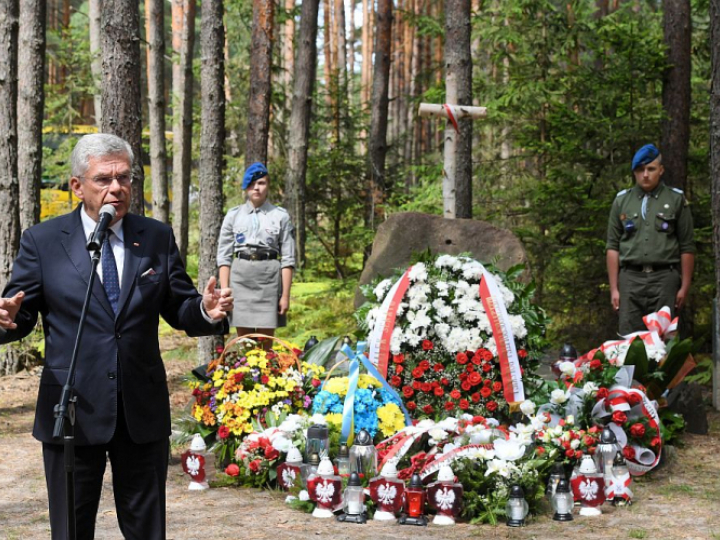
(262, 256)
(647, 268)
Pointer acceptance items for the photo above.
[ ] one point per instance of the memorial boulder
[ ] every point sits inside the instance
(412, 232)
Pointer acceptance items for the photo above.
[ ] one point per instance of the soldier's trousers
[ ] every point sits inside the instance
(642, 293)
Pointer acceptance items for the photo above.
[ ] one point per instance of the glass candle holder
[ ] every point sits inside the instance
(354, 501)
(516, 508)
(563, 501)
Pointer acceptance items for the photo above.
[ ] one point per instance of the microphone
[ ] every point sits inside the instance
(107, 214)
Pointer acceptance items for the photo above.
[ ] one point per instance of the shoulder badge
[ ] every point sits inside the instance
(281, 209)
(621, 193)
(678, 190)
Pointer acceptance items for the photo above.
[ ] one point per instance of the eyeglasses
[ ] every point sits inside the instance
(106, 181)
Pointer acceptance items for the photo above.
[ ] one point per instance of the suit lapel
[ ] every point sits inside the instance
(134, 247)
(74, 245)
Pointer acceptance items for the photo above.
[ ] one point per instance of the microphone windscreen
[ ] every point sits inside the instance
(108, 209)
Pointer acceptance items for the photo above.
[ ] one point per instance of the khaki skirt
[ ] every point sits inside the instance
(256, 287)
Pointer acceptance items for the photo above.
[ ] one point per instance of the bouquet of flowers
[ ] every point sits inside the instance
(256, 459)
(374, 408)
(487, 458)
(245, 384)
(597, 393)
(444, 356)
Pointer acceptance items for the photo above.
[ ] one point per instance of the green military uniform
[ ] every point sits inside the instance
(650, 231)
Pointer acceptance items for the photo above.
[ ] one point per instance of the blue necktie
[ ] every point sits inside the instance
(111, 282)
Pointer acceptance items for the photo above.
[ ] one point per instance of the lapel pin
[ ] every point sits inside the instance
(136, 244)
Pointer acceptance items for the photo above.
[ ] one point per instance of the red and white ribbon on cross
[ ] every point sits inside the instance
(504, 340)
(450, 110)
(381, 335)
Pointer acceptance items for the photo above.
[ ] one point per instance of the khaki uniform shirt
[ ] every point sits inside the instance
(241, 233)
(661, 236)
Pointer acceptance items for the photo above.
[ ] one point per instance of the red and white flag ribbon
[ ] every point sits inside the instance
(467, 451)
(381, 335)
(504, 340)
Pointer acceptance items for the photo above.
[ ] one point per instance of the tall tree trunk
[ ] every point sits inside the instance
(212, 137)
(183, 24)
(155, 34)
(413, 86)
(94, 15)
(676, 92)
(378, 121)
(457, 181)
(329, 66)
(299, 128)
(351, 50)
(341, 54)
(260, 85)
(10, 361)
(9, 217)
(288, 52)
(367, 39)
(396, 67)
(715, 141)
(122, 110)
(31, 100)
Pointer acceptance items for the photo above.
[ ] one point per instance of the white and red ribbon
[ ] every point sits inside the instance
(382, 332)
(504, 340)
(660, 328)
(450, 110)
(447, 458)
(619, 400)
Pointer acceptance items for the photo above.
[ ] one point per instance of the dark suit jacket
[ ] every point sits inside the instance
(117, 353)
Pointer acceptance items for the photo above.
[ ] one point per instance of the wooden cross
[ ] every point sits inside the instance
(452, 113)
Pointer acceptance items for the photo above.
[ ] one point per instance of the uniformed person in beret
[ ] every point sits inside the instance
(650, 247)
(256, 257)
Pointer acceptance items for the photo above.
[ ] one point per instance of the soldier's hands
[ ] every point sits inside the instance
(680, 298)
(9, 308)
(216, 301)
(615, 299)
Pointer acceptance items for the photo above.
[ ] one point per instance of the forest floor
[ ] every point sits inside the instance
(679, 500)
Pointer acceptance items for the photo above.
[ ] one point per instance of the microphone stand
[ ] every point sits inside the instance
(64, 411)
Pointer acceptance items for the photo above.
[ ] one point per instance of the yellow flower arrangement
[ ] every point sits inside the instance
(246, 384)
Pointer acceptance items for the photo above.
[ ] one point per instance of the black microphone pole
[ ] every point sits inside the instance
(65, 409)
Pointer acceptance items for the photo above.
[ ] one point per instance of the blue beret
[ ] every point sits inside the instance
(254, 172)
(645, 155)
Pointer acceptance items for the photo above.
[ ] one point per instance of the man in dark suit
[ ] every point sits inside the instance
(123, 409)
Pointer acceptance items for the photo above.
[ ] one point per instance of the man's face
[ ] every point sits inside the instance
(648, 176)
(106, 181)
(257, 192)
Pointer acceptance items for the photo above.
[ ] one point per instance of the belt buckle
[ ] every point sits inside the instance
(647, 268)
(253, 257)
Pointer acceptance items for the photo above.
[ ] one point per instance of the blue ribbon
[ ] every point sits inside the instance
(356, 358)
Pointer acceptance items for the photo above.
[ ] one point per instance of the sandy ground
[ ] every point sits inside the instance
(679, 500)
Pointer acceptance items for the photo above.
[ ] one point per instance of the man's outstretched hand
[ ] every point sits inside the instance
(9, 308)
(216, 301)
